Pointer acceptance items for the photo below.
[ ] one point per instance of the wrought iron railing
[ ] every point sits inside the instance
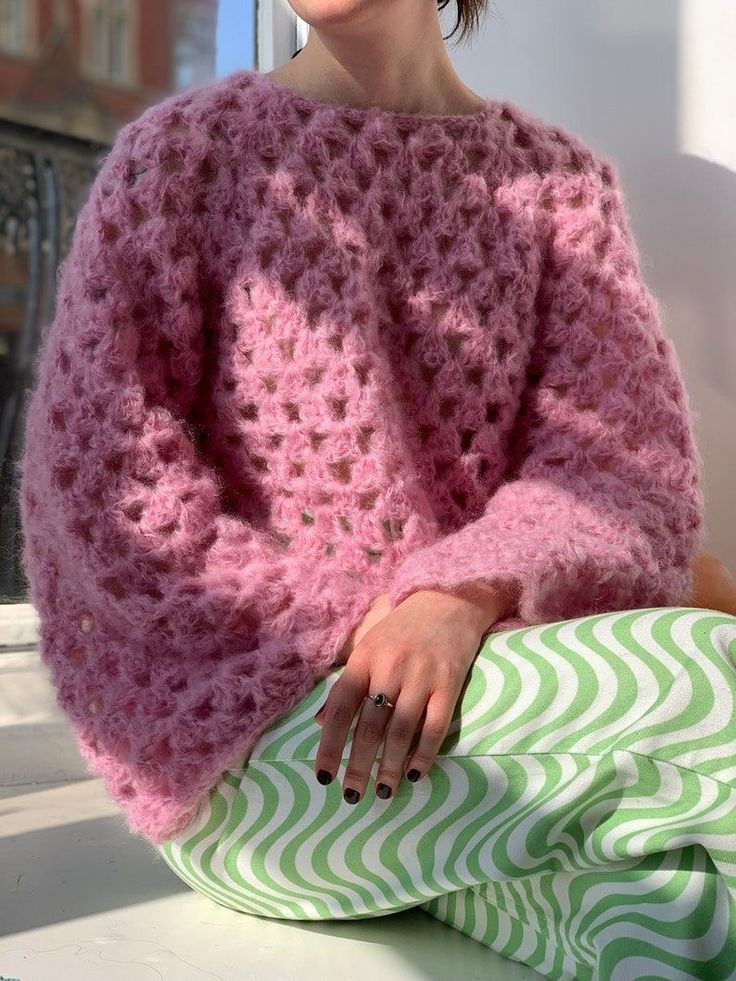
(44, 178)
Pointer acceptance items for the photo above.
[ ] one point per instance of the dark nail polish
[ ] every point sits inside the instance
(351, 796)
(324, 776)
(413, 775)
(383, 790)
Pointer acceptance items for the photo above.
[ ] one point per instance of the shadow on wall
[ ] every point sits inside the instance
(615, 75)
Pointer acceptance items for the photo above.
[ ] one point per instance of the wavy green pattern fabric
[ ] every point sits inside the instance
(580, 818)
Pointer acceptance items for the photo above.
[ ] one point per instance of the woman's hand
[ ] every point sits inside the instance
(419, 655)
(379, 608)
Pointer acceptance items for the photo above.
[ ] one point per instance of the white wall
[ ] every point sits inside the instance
(653, 86)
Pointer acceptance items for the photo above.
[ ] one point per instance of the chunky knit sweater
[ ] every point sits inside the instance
(305, 353)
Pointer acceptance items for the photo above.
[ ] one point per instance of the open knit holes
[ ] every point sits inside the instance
(428, 155)
(134, 172)
(342, 472)
(176, 124)
(134, 511)
(172, 163)
(522, 138)
(502, 346)
(477, 157)
(110, 231)
(64, 476)
(338, 408)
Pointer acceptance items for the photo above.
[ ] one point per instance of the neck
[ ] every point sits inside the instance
(396, 60)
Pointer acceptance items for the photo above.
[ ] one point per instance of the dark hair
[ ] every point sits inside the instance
(469, 16)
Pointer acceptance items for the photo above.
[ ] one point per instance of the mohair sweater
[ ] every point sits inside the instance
(305, 353)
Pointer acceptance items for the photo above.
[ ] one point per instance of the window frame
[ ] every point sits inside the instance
(279, 32)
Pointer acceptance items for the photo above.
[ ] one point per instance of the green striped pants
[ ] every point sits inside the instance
(580, 817)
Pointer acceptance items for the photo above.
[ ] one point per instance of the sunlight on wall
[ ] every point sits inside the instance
(707, 107)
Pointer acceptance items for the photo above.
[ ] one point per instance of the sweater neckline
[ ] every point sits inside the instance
(363, 113)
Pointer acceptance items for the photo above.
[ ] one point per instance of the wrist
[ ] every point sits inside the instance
(483, 603)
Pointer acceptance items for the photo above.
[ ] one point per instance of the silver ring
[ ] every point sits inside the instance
(380, 700)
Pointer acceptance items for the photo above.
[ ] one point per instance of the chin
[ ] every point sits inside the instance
(326, 13)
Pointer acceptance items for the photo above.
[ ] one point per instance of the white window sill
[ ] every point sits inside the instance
(18, 626)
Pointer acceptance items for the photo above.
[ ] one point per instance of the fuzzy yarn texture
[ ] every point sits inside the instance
(304, 353)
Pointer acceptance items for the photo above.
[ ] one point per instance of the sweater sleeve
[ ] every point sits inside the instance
(175, 631)
(601, 508)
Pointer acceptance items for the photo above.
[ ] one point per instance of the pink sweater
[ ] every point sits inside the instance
(305, 353)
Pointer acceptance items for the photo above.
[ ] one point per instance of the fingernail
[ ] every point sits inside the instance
(351, 796)
(383, 790)
(413, 775)
(324, 776)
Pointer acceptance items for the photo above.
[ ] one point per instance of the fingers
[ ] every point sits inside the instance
(338, 712)
(440, 708)
(404, 730)
(412, 733)
(368, 735)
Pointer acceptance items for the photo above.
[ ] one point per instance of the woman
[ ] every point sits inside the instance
(356, 397)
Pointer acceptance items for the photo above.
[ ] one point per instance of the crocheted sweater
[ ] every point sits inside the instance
(305, 353)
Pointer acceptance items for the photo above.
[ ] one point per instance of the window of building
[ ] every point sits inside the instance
(109, 39)
(13, 26)
(194, 44)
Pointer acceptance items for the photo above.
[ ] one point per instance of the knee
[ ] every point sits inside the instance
(714, 585)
